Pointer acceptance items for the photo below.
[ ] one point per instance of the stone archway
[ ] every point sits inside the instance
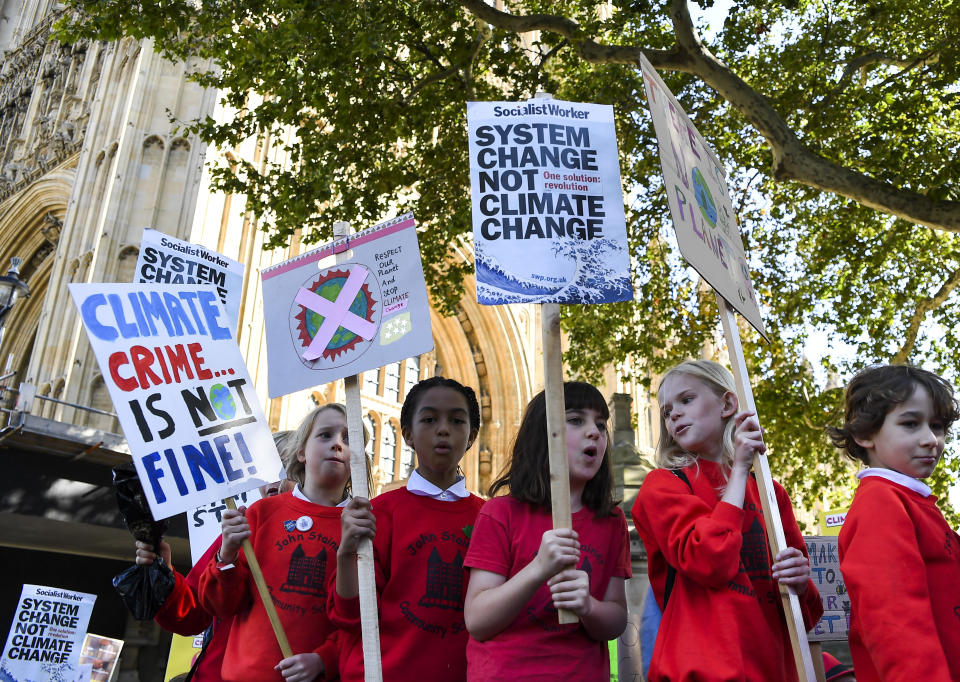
(30, 227)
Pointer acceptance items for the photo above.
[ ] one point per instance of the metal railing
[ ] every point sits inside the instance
(16, 391)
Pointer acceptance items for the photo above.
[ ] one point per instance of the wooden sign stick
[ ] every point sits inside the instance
(366, 577)
(556, 427)
(263, 590)
(556, 419)
(768, 498)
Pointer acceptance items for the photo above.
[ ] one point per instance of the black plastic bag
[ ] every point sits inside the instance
(143, 589)
(134, 507)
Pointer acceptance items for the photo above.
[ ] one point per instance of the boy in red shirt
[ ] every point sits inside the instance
(899, 558)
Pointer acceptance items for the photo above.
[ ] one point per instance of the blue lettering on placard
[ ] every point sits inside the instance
(208, 460)
(135, 315)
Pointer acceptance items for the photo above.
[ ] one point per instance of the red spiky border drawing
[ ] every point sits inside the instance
(351, 340)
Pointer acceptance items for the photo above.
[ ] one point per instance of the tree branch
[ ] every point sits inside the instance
(588, 49)
(791, 159)
(869, 59)
(429, 80)
(545, 58)
(923, 307)
(483, 35)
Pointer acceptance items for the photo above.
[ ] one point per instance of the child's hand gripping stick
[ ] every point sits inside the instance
(264, 592)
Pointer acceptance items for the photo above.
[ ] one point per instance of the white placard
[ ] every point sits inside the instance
(203, 523)
(696, 188)
(181, 390)
(325, 320)
(167, 260)
(548, 221)
(46, 635)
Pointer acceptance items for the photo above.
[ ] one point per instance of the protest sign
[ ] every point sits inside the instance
(696, 189)
(101, 654)
(832, 521)
(710, 242)
(183, 654)
(326, 320)
(203, 523)
(167, 260)
(548, 221)
(825, 573)
(46, 635)
(181, 391)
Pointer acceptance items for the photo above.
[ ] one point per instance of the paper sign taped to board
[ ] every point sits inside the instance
(46, 634)
(203, 523)
(825, 573)
(327, 320)
(696, 189)
(181, 391)
(167, 260)
(548, 221)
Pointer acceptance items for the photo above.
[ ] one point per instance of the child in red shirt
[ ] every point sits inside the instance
(522, 571)
(182, 613)
(295, 538)
(420, 535)
(899, 558)
(701, 515)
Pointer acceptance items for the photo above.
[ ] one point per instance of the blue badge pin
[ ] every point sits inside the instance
(290, 525)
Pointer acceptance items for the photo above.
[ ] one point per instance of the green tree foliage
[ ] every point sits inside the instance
(839, 122)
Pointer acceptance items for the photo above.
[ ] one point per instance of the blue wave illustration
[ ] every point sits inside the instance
(593, 280)
(492, 275)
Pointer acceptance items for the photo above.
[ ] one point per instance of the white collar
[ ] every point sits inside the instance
(418, 485)
(915, 484)
(300, 496)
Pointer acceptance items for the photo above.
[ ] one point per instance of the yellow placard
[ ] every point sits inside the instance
(183, 652)
(832, 521)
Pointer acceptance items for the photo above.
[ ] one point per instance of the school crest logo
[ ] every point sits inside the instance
(306, 574)
(753, 552)
(444, 588)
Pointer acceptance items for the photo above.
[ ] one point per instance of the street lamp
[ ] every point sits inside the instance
(11, 288)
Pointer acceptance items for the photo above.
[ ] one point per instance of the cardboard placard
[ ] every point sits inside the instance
(696, 188)
(167, 260)
(825, 572)
(327, 320)
(181, 390)
(548, 220)
(46, 635)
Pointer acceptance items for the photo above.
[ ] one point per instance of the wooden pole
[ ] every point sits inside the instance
(768, 498)
(556, 427)
(263, 590)
(366, 577)
(816, 653)
(556, 419)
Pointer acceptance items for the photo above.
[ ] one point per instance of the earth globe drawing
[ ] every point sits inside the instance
(704, 198)
(222, 401)
(328, 285)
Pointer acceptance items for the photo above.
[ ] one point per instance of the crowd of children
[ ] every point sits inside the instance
(471, 590)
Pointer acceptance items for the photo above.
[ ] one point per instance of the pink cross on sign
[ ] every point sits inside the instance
(336, 313)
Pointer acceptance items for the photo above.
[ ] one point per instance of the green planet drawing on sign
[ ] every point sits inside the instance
(704, 199)
(222, 401)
